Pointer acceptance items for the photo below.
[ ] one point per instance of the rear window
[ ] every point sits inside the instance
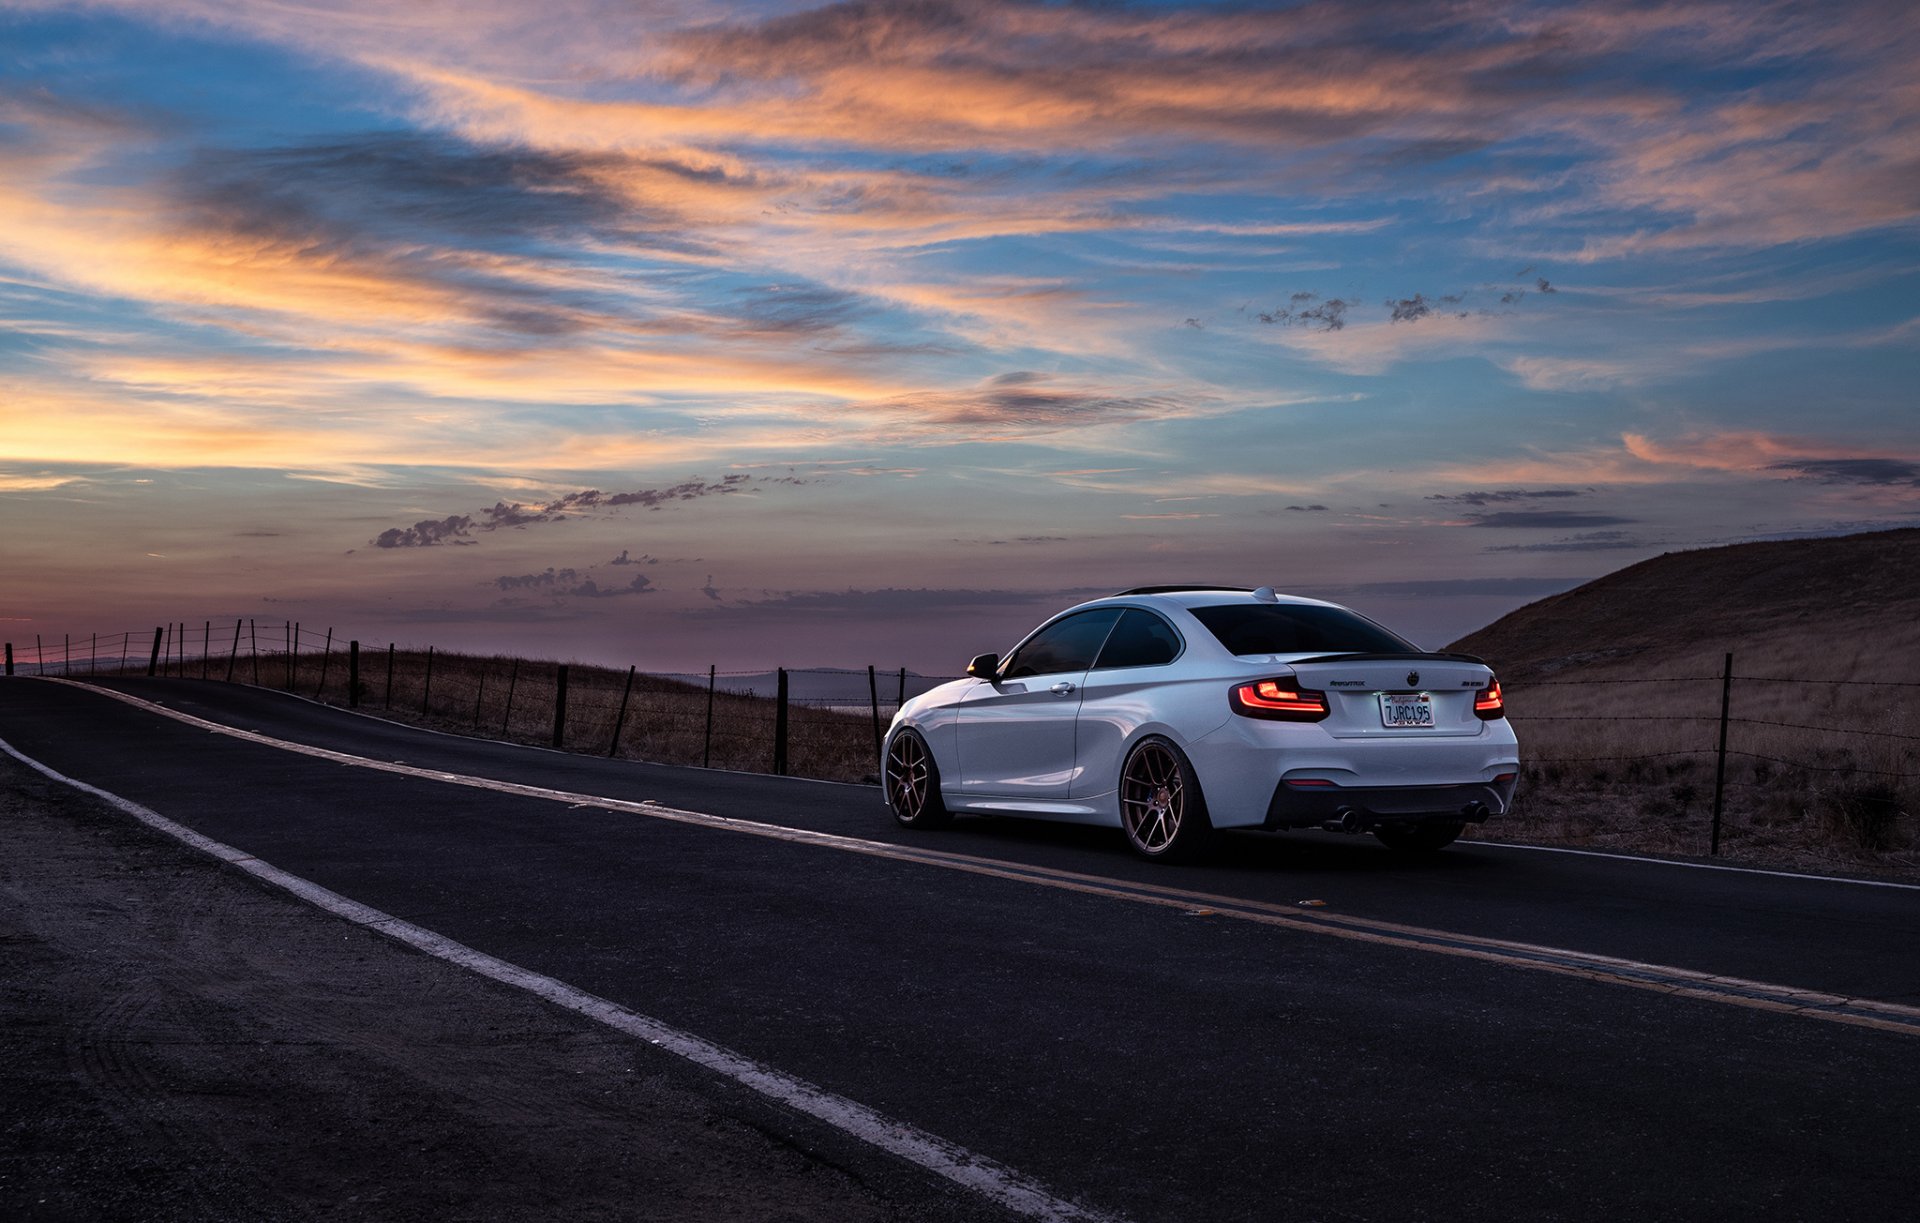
(1297, 628)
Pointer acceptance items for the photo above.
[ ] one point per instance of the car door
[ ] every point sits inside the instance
(1016, 733)
(1126, 688)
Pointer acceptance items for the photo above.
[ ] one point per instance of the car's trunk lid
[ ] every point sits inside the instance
(1382, 695)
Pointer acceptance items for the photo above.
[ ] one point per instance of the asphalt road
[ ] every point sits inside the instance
(1150, 1060)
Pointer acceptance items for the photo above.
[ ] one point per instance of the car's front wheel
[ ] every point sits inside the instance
(913, 783)
(1161, 809)
(1421, 838)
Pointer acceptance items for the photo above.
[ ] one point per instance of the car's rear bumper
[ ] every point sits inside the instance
(1358, 808)
(1250, 772)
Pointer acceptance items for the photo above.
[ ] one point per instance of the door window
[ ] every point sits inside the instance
(1068, 644)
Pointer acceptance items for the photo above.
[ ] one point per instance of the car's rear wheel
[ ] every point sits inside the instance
(913, 783)
(1161, 809)
(1421, 838)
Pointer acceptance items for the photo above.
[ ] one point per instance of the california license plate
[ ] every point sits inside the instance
(1406, 709)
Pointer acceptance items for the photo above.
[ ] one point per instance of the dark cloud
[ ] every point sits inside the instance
(1329, 315)
(552, 579)
(501, 514)
(567, 583)
(1503, 496)
(1027, 399)
(399, 186)
(625, 559)
(1307, 509)
(889, 601)
(1588, 541)
(1545, 519)
(1853, 471)
(1409, 309)
(710, 590)
(798, 309)
(641, 585)
(426, 533)
(435, 212)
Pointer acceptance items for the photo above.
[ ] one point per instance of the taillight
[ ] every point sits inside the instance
(1488, 703)
(1278, 700)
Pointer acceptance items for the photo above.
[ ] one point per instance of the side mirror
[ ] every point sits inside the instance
(987, 667)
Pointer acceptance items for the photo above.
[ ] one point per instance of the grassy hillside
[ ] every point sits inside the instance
(1615, 686)
(1845, 608)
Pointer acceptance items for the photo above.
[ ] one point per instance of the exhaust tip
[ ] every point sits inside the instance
(1346, 819)
(1476, 812)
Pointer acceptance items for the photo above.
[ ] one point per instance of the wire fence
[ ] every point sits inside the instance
(814, 722)
(828, 723)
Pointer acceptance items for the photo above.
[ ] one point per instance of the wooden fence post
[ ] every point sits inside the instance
(479, 694)
(234, 655)
(389, 700)
(506, 719)
(621, 720)
(353, 675)
(560, 706)
(326, 656)
(706, 752)
(426, 685)
(9, 658)
(1720, 767)
(206, 646)
(873, 695)
(780, 728)
(153, 659)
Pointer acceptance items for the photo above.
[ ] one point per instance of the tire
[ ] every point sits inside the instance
(1162, 811)
(912, 781)
(1423, 838)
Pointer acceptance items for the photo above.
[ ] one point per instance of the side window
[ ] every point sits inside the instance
(1141, 639)
(1065, 645)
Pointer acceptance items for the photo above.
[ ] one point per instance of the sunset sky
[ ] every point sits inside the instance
(677, 333)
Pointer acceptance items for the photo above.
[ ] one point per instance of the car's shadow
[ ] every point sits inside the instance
(1297, 852)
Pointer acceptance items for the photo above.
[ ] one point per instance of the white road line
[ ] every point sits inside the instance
(994, 1181)
(1608, 969)
(1698, 866)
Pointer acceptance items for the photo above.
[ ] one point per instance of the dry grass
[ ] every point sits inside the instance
(1835, 789)
(513, 699)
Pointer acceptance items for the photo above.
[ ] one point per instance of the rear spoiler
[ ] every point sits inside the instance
(1410, 656)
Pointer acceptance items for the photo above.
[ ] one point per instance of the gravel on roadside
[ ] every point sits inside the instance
(180, 1041)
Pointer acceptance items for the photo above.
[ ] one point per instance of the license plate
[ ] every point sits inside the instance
(1406, 709)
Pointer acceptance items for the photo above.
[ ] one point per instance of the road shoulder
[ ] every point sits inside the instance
(179, 1041)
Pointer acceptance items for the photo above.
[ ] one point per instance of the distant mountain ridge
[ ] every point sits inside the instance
(1845, 606)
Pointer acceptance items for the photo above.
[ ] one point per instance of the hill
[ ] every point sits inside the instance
(1846, 607)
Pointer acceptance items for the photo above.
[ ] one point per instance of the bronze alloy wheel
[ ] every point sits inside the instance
(1159, 806)
(913, 783)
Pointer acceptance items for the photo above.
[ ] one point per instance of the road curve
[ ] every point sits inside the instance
(1149, 1055)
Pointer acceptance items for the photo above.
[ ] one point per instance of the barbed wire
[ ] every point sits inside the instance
(1841, 730)
(1532, 760)
(1819, 768)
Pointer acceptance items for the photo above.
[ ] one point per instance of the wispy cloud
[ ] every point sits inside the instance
(459, 528)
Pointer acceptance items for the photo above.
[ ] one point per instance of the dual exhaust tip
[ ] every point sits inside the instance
(1346, 819)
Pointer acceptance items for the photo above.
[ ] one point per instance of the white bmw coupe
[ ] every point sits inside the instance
(1173, 711)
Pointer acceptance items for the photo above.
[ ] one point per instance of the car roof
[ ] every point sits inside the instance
(1203, 596)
